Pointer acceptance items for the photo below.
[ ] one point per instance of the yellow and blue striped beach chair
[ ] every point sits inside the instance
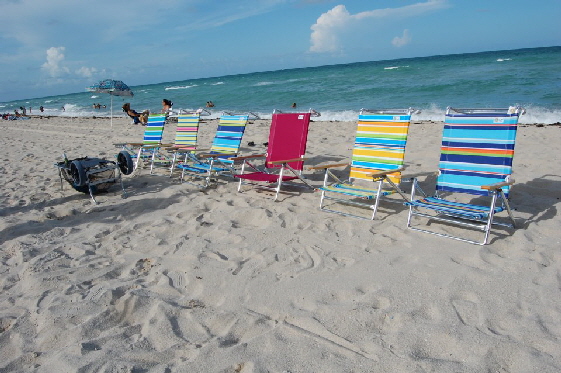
(145, 150)
(225, 145)
(476, 159)
(378, 156)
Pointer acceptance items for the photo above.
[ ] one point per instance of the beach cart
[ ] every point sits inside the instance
(94, 175)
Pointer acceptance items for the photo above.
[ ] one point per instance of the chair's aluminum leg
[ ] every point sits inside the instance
(490, 218)
(137, 158)
(152, 158)
(413, 187)
(375, 207)
(507, 206)
(279, 183)
(172, 167)
(241, 173)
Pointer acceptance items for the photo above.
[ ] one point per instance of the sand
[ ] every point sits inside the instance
(173, 279)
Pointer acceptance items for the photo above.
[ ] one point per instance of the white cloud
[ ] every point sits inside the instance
(86, 72)
(55, 56)
(403, 40)
(327, 31)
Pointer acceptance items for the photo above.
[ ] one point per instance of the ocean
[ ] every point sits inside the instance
(527, 77)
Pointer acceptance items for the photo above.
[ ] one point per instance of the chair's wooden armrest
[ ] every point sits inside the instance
(329, 165)
(248, 157)
(289, 160)
(497, 185)
(150, 146)
(221, 155)
(185, 149)
(385, 172)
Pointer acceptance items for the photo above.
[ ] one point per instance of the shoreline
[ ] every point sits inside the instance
(175, 279)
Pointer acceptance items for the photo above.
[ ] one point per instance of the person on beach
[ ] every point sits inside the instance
(41, 109)
(136, 117)
(166, 105)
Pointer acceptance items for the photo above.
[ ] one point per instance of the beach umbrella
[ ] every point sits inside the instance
(114, 88)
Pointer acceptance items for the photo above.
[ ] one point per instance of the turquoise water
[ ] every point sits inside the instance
(529, 77)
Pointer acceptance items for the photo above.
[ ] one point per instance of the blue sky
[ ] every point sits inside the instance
(54, 47)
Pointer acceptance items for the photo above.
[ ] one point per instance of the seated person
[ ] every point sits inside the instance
(136, 117)
(166, 105)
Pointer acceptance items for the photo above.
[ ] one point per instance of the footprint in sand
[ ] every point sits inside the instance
(176, 279)
(467, 309)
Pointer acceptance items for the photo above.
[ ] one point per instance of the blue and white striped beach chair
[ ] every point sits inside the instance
(476, 159)
(378, 156)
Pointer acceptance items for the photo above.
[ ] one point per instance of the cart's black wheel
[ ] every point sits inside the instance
(125, 163)
(78, 173)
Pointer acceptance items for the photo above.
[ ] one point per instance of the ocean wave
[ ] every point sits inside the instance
(217, 83)
(259, 84)
(180, 87)
(504, 59)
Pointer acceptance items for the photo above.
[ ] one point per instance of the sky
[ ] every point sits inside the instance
(55, 47)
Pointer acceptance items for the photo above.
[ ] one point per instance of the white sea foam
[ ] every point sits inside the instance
(217, 83)
(259, 84)
(504, 59)
(181, 87)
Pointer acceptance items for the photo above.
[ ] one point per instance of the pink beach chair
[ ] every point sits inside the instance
(285, 152)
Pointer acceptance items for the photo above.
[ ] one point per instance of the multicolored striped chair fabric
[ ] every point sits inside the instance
(477, 149)
(187, 131)
(229, 134)
(154, 129)
(379, 145)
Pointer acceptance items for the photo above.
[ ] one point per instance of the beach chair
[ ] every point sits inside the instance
(476, 160)
(216, 162)
(285, 152)
(147, 149)
(377, 157)
(186, 137)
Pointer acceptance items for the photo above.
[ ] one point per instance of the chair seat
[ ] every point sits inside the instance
(466, 210)
(353, 190)
(264, 177)
(201, 168)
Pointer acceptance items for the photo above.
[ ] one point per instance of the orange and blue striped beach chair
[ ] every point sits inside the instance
(476, 159)
(378, 156)
(150, 144)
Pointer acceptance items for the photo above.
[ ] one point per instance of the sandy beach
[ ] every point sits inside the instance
(173, 279)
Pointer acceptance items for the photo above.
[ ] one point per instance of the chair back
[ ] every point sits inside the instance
(380, 142)
(287, 139)
(229, 134)
(187, 131)
(154, 129)
(477, 149)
